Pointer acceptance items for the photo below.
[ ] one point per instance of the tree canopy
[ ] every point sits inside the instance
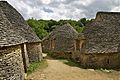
(43, 27)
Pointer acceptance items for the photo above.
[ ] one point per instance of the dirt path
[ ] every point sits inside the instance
(57, 70)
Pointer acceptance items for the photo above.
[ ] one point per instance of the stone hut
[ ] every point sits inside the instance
(33, 44)
(101, 47)
(11, 59)
(78, 42)
(15, 40)
(60, 41)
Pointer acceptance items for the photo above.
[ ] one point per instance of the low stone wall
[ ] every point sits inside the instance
(11, 63)
(34, 51)
(107, 61)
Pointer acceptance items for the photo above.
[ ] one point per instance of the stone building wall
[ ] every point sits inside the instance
(78, 44)
(46, 45)
(34, 51)
(107, 61)
(11, 63)
(63, 44)
(63, 47)
(60, 47)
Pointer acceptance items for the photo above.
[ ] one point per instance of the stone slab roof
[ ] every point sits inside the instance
(8, 36)
(66, 31)
(108, 16)
(18, 23)
(103, 34)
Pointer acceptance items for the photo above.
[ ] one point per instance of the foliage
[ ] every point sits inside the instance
(35, 65)
(38, 27)
(70, 63)
(43, 27)
(83, 21)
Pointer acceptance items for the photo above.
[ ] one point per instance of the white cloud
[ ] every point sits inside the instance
(46, 1)
(116, 9)
(63, 9)
(84, 2)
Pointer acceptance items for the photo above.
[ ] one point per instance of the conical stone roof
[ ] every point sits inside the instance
(103, 34)
(66, 31)
(18, 23)
(8, 36)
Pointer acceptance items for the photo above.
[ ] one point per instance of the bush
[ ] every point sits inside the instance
(35, 65)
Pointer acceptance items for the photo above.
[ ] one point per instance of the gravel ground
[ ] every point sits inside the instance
(57, 70)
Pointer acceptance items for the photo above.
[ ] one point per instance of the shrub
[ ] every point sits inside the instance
(35, 65)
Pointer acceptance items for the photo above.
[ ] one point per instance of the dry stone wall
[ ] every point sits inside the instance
(107, 61)
(11, 63)
(34, 52)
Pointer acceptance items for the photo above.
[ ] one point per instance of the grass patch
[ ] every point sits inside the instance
(35, 65)
(70, 63)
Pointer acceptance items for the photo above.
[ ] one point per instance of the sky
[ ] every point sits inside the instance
(63, 9)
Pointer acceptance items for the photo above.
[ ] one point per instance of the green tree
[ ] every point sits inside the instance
(38, 27)
(43, 27)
